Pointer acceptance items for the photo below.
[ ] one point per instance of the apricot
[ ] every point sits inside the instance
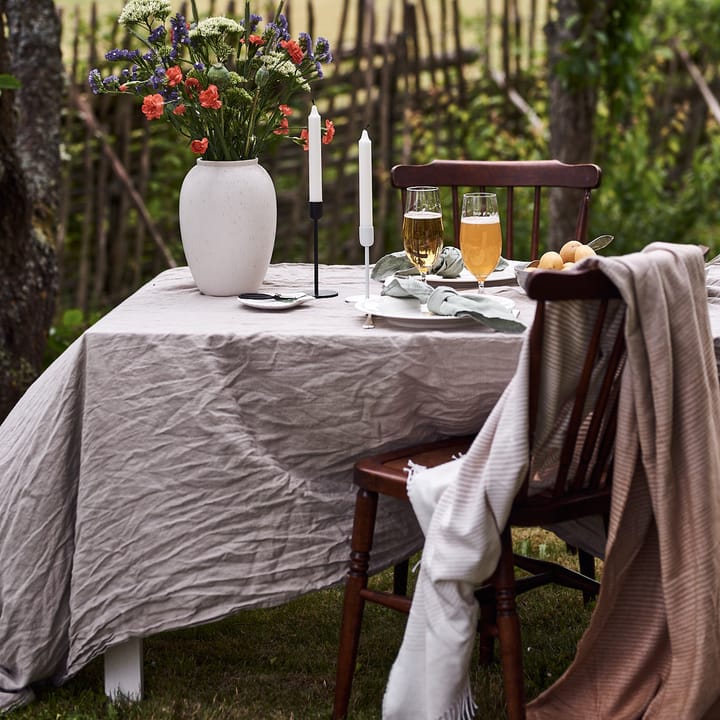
(582, 252)
(568, 265)
(550, 260)
(567, 251)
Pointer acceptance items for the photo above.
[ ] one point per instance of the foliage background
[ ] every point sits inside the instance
(654, 138)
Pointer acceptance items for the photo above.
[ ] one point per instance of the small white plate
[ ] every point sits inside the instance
(275, 303)
(406, 312)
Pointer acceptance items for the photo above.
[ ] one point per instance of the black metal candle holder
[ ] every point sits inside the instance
(315, 215)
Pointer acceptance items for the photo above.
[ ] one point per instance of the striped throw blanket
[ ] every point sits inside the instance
(652, 649)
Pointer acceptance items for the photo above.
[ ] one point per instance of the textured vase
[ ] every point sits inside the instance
(228, 216)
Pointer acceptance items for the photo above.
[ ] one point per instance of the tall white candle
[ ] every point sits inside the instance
(314, 155)
(365, 179)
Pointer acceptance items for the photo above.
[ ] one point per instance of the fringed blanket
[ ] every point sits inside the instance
(653, 646)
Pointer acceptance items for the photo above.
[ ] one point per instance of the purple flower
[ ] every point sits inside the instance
(157, 79)
(322, 50)
(95, 81)
(119, 54)
(157, 34)
(254, 21)
(280, 28)
(180, 34)
(305, 43)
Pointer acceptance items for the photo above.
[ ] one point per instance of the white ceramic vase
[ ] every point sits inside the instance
(228, 216)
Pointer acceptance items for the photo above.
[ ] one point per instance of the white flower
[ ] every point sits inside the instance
(277, 64)
(137, 11)
(216, 27)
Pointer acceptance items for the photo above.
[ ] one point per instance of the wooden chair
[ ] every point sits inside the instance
(581, 485)
(507, 175)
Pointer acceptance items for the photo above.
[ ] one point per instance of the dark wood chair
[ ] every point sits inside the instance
(581, 485)
(539, 175)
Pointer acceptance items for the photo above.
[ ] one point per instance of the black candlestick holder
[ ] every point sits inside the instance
(315, 215)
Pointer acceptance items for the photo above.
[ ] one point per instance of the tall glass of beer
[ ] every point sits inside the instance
(480, 235)
(422, 228)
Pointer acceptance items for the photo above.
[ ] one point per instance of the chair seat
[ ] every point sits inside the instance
(387, 473)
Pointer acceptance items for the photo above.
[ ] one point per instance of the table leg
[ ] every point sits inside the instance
(124, 670)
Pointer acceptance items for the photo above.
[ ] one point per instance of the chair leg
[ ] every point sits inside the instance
(353, 603)
(487, 630)
(400, 577)
(586, 563)
(508, 625)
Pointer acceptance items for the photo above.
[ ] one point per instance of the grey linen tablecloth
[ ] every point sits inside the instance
(188, 457)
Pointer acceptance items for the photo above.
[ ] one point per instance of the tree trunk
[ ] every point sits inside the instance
(29, 179)
(572, 111)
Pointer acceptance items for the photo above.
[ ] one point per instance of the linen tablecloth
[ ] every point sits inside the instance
(188, 457)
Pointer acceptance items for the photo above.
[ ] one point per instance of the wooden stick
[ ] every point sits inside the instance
(696, 75)
(92, 124)
(520, 103)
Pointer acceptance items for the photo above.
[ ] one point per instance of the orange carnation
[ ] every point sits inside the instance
(210, 98)
(329, 132)
(283, 128)
(152, 106)
(174, 75)
(293, 50)
(199, 146)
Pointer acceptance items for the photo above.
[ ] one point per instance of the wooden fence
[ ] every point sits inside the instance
(395, 75)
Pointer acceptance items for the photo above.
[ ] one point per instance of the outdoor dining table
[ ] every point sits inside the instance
(188, 457)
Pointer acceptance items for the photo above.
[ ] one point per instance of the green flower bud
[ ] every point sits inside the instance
(262, 76)
(219, 75)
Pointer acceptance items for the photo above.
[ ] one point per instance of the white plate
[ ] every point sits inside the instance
(466, 279)
(274, 303)
(406, 312)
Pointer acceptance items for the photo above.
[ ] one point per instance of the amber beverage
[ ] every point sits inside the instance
(422, 235)
(480, 235)
(480, 244)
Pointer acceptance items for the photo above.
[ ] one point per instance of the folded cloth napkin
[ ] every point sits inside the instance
(447, 301)
(448, 264)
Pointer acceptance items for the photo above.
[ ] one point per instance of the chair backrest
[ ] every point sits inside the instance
(589, 337)
(466, 175)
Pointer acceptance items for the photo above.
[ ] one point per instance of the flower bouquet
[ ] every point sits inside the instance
(225, 85)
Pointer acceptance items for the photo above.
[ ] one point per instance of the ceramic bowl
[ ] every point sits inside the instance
(523, 274)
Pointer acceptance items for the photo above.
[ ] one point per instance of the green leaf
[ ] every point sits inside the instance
(8, 82)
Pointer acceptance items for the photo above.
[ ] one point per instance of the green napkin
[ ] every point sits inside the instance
(449, 264)
(447, 301)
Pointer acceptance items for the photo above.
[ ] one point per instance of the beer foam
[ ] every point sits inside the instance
(481, 219)
(422, 215)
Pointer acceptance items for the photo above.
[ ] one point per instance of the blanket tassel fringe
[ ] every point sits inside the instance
(463, 709)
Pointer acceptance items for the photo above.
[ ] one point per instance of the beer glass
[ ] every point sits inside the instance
(422, 228)
(480, 235)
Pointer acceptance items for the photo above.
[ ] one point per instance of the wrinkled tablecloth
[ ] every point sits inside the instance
(188, 457)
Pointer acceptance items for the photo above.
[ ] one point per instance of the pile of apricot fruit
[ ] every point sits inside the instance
(570, 253)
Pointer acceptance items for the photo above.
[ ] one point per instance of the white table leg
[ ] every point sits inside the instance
(124, 670)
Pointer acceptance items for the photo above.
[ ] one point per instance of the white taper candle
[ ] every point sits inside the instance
(314, 155)
(365, 179)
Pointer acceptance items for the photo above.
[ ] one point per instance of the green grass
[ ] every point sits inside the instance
(279, 663)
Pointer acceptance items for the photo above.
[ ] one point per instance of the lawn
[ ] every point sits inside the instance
(279, 663)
